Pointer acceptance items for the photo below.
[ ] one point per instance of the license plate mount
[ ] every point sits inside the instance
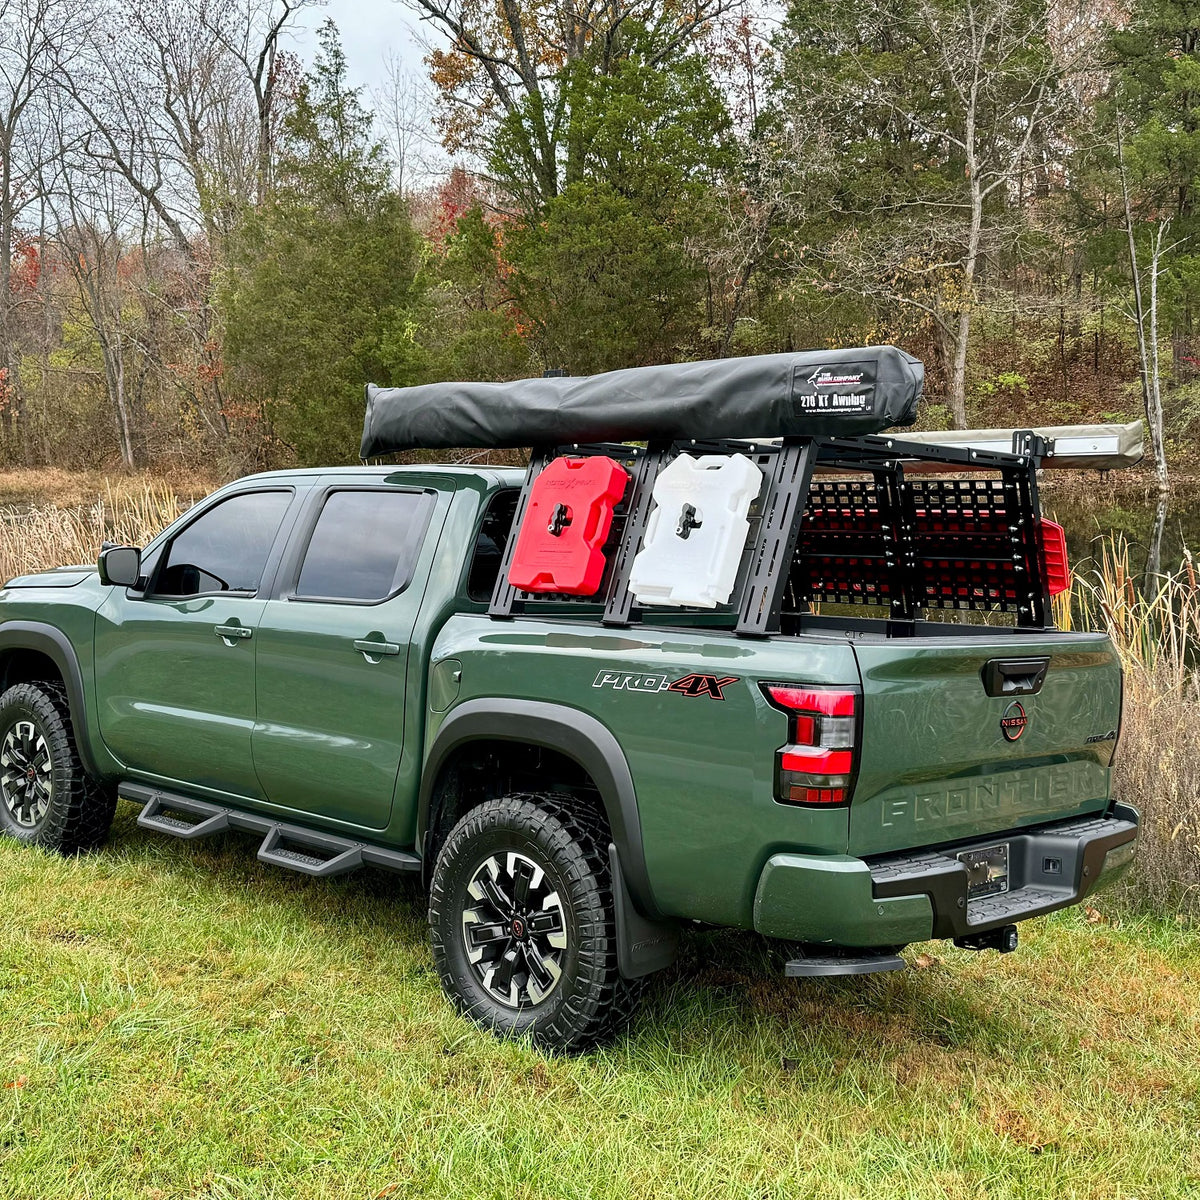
(987, 870)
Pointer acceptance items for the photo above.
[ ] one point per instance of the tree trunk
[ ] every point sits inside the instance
(957, 389)
(10, 406)
(956, 392)
(114, 375)
(1154, 409)
(1147, 348)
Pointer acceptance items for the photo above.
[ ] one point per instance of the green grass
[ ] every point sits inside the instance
(184, 1022)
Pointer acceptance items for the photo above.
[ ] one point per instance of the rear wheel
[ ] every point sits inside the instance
(46, 797)
(522, 923)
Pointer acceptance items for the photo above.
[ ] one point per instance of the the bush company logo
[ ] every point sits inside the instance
(692, 686)
(1013, 723)
(823, 377)
(845, 388)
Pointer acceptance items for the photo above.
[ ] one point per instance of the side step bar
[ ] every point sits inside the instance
(294, 847)
(848, 962)
(279, 849)
(163, 813)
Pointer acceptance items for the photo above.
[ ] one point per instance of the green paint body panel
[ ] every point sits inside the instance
(329, 733)
(809, 898)
(174, 699)
(935, 763)
(294, 721)
(704, 769)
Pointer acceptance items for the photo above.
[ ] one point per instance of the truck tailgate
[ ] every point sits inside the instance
(943, 760)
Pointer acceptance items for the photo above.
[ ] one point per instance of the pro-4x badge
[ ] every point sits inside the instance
(693, 686)
(702, 685)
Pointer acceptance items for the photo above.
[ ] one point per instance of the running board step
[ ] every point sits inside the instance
(294, 847)
(163, 813)
(822, 966)
(333, 856)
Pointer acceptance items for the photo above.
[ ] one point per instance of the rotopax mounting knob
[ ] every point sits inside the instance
(559, 520)
(687, 521)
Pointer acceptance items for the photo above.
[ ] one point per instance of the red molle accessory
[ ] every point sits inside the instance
(560, 547)
(1054, 557)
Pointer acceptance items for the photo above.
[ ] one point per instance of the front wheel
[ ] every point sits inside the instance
(46, 797)
(521, 918)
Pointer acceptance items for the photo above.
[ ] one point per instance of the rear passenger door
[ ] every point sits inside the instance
(333, 652)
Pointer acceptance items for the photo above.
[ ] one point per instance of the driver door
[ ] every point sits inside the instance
(175, 665)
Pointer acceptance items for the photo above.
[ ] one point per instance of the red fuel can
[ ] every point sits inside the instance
(560, 546)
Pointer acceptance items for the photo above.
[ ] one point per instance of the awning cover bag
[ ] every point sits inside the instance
(813, 393)
(560, 546)
(696, 532)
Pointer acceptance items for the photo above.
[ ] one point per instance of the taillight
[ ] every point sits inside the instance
(817, 765)
(1054, 556)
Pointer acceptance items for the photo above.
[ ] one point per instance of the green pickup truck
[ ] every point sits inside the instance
(325, 659)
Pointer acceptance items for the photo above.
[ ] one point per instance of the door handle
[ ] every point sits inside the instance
(373, 651)
(232, 634)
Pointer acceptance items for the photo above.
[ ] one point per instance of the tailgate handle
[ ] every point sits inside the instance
(1014, 676)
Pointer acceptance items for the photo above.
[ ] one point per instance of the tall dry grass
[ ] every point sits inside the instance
(1155, 626)
(1156, 630)
(45, 535)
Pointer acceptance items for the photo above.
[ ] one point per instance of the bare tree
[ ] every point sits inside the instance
(90, 233)
(1145, 317)
(994, 87)
(36, 38)
(178, 101)
(403, 112)
(252, 34)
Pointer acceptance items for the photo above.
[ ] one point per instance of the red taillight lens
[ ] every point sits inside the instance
(823, 762)
(833, 702)
(817, 765)
(1054, 556)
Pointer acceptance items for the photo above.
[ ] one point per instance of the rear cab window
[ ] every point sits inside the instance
(490, 544)
(364, 546)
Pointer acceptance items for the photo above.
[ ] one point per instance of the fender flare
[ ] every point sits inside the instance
(570, 732)
(56, 646)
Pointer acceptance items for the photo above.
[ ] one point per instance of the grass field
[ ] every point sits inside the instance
(180, 1021)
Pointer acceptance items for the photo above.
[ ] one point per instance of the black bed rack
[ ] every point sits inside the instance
(890, 520)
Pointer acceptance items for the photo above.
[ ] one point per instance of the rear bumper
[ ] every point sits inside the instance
(891, 900)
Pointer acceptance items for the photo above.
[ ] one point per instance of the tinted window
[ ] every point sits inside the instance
(365, 545)
(226, 549)
(490, 545)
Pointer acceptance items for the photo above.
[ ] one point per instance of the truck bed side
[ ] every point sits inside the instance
(703, 767)
(935, 765)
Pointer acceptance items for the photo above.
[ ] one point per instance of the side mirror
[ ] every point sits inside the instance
(120, 566)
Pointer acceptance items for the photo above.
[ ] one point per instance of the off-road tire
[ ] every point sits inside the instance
(590, 1001)
(79, 812)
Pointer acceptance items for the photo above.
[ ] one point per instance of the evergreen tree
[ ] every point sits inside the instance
(604, 271)
(324, 290)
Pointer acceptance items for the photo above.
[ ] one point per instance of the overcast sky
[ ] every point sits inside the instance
(371, 30)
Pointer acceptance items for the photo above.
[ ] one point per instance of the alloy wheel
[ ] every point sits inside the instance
(515, 930)
(26, 774)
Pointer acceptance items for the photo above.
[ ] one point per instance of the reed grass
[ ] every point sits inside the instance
(46, 535)
(1155, 625)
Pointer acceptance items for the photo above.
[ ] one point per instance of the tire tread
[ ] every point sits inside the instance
(579, 838)
(81, 812)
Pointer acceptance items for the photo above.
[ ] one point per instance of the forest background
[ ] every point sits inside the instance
(213, 245)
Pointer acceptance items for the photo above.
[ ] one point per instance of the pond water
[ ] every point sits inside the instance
(1091, 506)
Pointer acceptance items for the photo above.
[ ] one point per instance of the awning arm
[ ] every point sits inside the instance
(1067, 447)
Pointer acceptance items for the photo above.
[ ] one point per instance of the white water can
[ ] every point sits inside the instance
(696, 532)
